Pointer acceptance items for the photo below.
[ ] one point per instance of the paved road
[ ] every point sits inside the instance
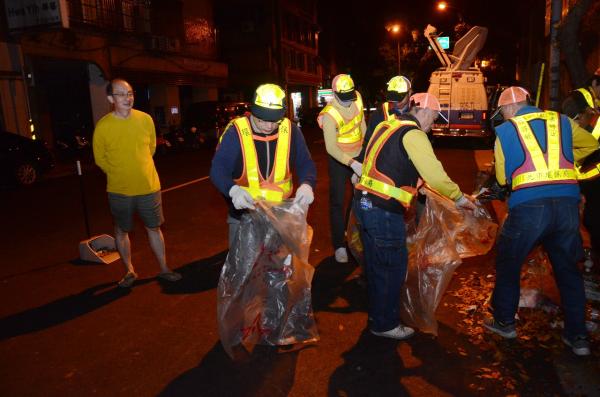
(65, 330)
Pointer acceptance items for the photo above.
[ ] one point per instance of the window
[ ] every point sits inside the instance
(312, 65)
(300, 61)
(89, 11)
(127, 15)
(293, 64)
(127, 7)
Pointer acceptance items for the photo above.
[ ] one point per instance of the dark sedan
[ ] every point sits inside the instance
(23, 160)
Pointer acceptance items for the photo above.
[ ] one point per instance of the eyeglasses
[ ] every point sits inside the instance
(123, 94)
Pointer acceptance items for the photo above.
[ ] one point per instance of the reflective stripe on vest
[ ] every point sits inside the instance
(258, 187)
(592, 172)
(549, 171)
(386, 111)
(348, 132)
(587, 95)
(589, 174)
(368, 180)
(596, 130)
(590, 97)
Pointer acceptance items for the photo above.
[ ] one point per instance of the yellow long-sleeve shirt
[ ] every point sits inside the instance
(330, 132)
(123, 149)
(430, 169)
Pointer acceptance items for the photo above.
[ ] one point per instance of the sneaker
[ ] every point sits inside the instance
(400, 332)
(341, 255)
(507, 331)
(128, 280)
(579, 344)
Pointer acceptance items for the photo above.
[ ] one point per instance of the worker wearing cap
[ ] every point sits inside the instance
(397, 100)
(582, 106)
(256, 156)
(535, 152)
(397, 95)
(398, 154)
(344, 127)
(591, 93)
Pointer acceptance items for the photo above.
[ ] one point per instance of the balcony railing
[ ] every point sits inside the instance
(113, 15)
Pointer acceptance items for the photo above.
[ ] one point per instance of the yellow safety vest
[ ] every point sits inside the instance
(543, 171)
(279, 184)
(374, 181)
(590, 172)
(386, 111)
(348, 132)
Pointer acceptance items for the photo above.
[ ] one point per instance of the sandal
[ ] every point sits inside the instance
(169, 276)
(128, 280)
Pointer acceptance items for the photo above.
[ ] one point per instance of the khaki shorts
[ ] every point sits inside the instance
(148, 207)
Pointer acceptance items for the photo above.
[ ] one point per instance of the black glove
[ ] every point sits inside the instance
(493, 192)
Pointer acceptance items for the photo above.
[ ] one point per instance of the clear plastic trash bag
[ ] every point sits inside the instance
(443, 236)
(264, 291)
(353, 237)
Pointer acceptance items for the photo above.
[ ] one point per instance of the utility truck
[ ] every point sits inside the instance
(459, 85)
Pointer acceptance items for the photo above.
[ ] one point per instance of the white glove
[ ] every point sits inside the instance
(356, 167)
(304, 195)
(241, 198)
(354, 179)
(464, 203)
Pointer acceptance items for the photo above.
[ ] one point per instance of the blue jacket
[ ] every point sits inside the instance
(514, 156)
(227, 162)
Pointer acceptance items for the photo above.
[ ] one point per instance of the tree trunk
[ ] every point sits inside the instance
(569, 43)
(554, 69)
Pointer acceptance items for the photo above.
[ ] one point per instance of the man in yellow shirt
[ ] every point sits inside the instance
(398, 154)
(124, 143)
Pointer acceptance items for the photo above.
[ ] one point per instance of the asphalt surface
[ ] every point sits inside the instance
(66, 330)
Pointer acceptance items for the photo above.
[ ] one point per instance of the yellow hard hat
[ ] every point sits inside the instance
(343, 86)
(397, 88)
(269, 102)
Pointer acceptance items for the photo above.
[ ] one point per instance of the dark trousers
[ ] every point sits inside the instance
(383, 235)
(553, 222)
(339, 177)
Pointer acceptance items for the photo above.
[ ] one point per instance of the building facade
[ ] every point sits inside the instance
(53, 76)
(271, 41)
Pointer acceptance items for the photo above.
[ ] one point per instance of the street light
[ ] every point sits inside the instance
(395, 29)
(443, 6)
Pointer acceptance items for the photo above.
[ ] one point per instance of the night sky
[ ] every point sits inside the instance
(355, 30)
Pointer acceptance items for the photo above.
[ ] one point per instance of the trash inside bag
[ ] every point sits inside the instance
(264, 292)
(443, 236)
(353, 237)
(487, 187)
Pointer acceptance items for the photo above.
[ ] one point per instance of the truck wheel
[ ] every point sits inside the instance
(26, 174)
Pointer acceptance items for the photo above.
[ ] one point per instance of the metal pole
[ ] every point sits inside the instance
(83, 202)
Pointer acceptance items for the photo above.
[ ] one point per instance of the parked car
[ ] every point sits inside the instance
(206, 121)
(23, 160)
